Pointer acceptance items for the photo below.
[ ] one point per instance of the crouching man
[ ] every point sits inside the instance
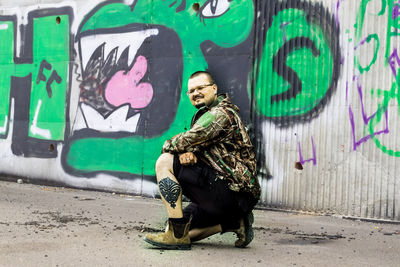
(213, 164)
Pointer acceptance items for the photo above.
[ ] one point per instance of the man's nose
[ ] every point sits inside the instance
(196, 92)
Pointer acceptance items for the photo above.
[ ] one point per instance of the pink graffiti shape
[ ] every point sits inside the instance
(125, 87)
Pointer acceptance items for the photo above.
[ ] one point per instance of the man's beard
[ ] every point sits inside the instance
(200, 105)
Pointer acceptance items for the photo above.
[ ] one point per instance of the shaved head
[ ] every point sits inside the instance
(206, 73)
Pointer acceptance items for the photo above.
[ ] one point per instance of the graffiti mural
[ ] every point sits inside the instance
(91, 91)
(148, 116)
(151, 57)
(134, 63)
(297, 34)
(37, 80)
(377, 124)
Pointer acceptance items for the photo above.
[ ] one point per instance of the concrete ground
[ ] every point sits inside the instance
(56, 226)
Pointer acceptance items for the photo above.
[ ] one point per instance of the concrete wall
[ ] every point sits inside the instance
(91, 89)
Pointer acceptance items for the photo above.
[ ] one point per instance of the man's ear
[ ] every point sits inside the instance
(215, 87)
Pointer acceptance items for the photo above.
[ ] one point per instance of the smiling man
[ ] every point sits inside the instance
(213, 164)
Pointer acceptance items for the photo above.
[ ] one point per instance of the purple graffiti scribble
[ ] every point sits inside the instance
(396, 11)
(366, 120)
(336, 11)
(394, 58)
(313, 159)
(361, 43)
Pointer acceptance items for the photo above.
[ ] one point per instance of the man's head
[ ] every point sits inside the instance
(202, 90)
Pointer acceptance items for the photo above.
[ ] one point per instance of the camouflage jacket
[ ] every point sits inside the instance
(218, 137)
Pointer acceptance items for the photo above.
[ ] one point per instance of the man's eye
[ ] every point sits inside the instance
(214, 8)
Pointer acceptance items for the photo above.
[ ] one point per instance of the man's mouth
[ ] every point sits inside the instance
(198, 98)
(133, 73)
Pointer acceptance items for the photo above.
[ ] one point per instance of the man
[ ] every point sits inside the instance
(213, 164)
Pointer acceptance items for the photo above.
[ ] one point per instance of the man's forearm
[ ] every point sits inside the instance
(181, 143)
(173, 145)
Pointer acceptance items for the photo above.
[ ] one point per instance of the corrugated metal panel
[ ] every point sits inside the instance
(348, 145)
(318, 79)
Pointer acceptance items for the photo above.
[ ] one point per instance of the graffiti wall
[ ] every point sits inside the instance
(92, 89)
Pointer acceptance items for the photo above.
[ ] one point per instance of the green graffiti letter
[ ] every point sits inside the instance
(296, 68)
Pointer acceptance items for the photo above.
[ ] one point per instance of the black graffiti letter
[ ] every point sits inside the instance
(43, 65)
(54, 77)
(286, 72)
(181, 7)
(170, 190)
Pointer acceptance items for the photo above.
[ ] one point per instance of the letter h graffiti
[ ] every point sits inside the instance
(36, 80)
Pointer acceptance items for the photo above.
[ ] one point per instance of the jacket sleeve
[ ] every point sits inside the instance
(208, 129)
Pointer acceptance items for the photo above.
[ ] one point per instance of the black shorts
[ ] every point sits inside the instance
(212, 202)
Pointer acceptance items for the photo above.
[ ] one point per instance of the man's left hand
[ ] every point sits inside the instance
(188, 158)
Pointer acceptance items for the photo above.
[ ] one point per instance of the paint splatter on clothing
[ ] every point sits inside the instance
(219, 138)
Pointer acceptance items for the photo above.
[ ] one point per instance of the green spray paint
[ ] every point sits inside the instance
(7, 69)
(358, 26)
(388, 96)
(392, 23)
(392, 30)
(136, 154)
(393, 93)
(316, 78)
(50, 42)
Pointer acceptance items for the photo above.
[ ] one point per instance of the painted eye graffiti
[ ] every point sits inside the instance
(214, 8)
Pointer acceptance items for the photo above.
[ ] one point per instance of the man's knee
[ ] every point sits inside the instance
(165, 162)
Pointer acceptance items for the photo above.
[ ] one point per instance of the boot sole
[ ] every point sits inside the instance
(165, 246)
(248, 221)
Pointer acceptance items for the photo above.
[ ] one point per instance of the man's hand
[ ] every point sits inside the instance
(187, 158)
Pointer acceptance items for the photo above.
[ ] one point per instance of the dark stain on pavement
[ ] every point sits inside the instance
(300, 237)
(140, 228)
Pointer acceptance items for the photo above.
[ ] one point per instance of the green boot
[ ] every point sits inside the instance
(172, 238)
(245, 233)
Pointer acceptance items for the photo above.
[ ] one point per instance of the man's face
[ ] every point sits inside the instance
(201, 91)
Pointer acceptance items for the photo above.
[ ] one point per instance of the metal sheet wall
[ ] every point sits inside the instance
(318, 79)
(342, 156)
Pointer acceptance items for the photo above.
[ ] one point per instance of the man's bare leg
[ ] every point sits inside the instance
(201, 233)
(170, 190)
(172, 200)
(176, 235)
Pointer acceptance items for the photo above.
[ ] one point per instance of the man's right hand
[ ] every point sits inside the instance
(188, 158)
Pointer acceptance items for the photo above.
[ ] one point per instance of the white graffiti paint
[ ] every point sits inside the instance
(35, 129)
(121, 41)
(117, 121)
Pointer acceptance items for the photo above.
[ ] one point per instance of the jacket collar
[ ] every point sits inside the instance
(218, 100)
(204, 109)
